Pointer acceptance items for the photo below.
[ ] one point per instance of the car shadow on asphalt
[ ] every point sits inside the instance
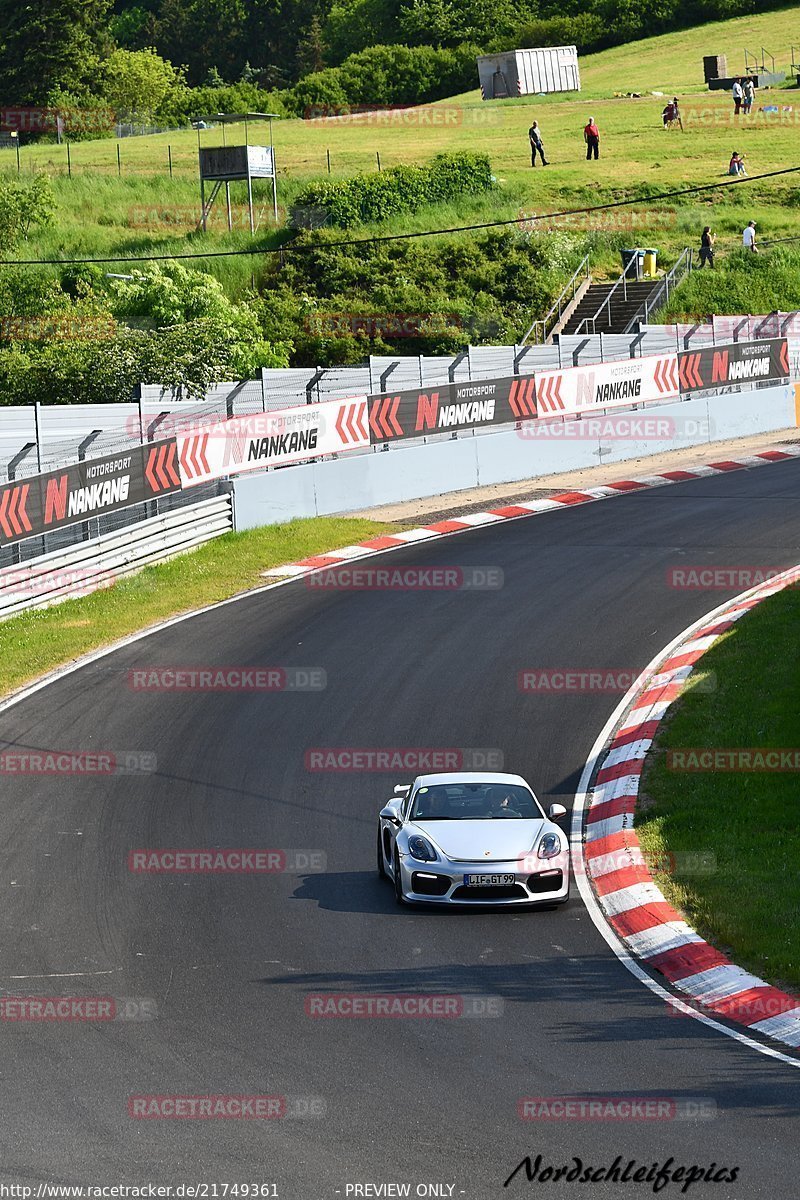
(364, 892)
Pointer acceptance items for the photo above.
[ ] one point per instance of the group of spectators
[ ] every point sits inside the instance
(591, 136)
(744, 93)
(708, 239)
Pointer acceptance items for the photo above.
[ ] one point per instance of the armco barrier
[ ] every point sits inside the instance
(303, 434)
(68, 496)
(419, 470)
(232, 448)
(92, 565)
(41, 503)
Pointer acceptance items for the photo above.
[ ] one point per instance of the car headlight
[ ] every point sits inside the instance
(421, 849)
(550, 845)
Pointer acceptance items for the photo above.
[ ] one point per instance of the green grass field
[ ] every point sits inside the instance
(35, 642)
(146, 211)
(748, 821)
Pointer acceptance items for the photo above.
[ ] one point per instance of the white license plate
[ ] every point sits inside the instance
(489, 880)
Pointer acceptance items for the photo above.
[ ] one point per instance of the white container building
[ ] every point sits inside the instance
(529, 72)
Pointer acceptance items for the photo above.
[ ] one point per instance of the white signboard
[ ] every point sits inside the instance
(607, 385)
(272, 439)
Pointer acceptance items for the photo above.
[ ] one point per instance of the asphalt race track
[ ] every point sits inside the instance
(230, 959)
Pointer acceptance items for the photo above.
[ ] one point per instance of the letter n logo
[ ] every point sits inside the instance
(719, 367)
(55, 501)
(585, 389)
(427, 411)
(233, 451)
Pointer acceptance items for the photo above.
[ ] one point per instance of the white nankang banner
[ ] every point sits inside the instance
(607, 385)
(261, 440)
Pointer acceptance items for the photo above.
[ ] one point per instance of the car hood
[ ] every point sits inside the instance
(499, 839)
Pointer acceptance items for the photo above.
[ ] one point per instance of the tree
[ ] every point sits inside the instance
(24, 206)
(137, 82)
(204, 34)
(311, 47)
(129, 27)
(47, 45)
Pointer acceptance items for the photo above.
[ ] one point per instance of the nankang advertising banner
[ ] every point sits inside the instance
(30, 507)
(607, 385)
(737, 362)
(275, 439)
(443, 408)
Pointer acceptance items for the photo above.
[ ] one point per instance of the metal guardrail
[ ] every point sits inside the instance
(89, 566)
(543, 326)
(660, 297)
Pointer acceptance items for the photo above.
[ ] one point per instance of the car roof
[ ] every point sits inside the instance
(469, 777)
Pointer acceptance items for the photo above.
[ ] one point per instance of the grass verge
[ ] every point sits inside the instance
(39, 641)
(749, 821)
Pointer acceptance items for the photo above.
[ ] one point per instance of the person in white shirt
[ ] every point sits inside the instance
(749, 237)
(738, 96)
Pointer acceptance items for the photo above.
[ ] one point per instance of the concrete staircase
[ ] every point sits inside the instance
(617, 316)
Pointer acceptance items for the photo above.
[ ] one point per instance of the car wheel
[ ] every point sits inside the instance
(381, 866)
(398, 886)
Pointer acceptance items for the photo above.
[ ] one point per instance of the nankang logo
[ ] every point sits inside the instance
(285, 443)
(60, 503)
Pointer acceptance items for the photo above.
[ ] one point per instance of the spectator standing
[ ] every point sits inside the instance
(749, 237)
(676, 109)
(707, 247)
(749, 96)
(738, 96)
(591, 135)
(537, 146)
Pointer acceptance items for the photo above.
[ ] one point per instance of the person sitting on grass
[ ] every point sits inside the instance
(672, 114)
(736, 165)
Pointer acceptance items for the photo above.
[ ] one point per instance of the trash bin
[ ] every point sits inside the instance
(637, 258)
(650, 263)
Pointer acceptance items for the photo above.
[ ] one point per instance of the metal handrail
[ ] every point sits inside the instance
(622, 282)
(541, 323)
(683, 266)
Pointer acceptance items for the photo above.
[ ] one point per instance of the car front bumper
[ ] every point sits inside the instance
(535, 881)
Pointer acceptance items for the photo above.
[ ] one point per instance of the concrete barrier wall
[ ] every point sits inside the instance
(415, 471)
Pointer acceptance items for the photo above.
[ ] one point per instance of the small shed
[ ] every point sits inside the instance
(529, 72)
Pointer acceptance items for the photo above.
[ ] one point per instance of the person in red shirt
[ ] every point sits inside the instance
(591, 135)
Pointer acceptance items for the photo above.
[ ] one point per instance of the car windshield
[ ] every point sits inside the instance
(474, 802)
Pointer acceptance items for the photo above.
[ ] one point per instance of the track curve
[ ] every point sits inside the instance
(230, 959)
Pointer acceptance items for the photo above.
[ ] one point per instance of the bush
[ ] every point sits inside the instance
(384, 75)
(186, 104)
(587, 31)
(385, 194)
(23, 207)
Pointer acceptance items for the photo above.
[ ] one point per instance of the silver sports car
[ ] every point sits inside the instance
(475, 838)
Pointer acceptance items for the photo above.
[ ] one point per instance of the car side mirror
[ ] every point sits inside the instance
(556, 811)
(391, 812)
